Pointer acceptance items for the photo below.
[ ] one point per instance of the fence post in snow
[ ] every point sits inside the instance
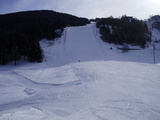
(154, 54)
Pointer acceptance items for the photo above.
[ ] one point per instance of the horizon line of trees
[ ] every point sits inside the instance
(21, 32)
(156, 23)
(122, 30)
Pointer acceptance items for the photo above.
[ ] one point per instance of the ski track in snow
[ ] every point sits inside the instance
(99, 87)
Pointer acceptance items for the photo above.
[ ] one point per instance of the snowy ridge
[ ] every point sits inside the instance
(82, 79)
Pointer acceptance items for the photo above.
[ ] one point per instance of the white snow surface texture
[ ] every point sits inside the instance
(81, 78)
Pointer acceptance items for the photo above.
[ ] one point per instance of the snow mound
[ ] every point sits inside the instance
(105, 90)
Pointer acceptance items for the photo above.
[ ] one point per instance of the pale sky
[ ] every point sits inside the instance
(140, 9)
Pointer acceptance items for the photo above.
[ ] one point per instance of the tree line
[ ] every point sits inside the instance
(122, 30)
(156, 21)
(21, 32)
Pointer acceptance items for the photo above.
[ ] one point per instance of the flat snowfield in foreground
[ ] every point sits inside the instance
(105, 85)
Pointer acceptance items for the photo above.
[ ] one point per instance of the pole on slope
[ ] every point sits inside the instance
(154, 54)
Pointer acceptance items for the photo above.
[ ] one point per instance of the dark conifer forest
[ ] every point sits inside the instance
(21, 32)
(156, 21)
(122, 30)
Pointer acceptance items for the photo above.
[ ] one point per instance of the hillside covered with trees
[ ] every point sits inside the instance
(21, 32)
(124, 30)
(155, 22)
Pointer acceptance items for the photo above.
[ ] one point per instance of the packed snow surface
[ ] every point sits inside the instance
(81, 78)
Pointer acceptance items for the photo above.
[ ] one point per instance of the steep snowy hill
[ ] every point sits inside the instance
(84, 44)
(77, 44)
(82, 79)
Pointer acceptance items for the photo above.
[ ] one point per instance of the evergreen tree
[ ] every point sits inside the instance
(21, 32)
(124, 30)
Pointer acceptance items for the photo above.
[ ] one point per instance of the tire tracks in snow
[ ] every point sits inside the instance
(38, 93)
(28, 82)
(86, 81)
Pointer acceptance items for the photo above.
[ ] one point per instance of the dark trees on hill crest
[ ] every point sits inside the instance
(20, 33)
(124, 30)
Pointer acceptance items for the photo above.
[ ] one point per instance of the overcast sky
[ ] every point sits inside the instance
(140, 9)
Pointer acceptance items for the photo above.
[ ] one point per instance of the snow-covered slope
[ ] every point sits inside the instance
(84, 44)
(77, 44)
(82, 79)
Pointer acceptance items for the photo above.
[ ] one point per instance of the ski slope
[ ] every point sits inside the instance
(77, 44)
(82, 79)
